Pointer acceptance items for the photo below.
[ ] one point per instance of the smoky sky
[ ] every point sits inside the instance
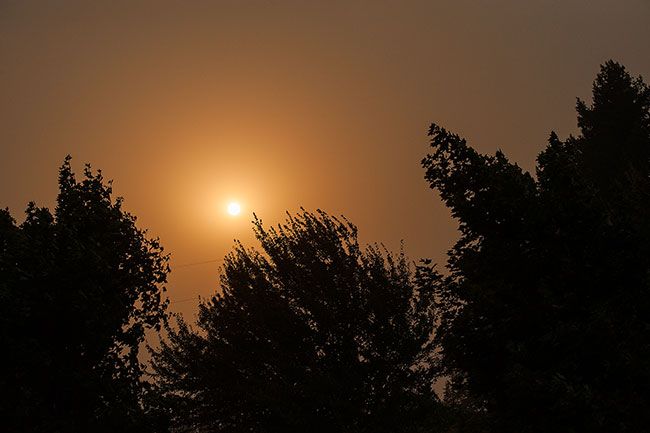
(283, 104)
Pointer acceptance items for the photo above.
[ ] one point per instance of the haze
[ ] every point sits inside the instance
(278, 105)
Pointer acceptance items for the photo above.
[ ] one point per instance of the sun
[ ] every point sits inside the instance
(234, 208)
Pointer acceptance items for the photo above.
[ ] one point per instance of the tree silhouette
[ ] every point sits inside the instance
(78, 288)
(312, 334)
(546, 323)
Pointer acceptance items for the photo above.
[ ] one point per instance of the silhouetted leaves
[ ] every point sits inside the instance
(541, 324)
(546, 323)
(78, 288)
(312, 334)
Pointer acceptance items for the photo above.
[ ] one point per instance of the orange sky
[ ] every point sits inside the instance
(282, 104)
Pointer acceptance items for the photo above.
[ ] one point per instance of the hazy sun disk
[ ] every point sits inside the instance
(234, 208)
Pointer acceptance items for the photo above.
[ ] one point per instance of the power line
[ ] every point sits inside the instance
(185, 265)
(184, 300)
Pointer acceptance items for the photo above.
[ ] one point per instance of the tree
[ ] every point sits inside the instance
(546, 323)
(312, 334)
(78, 289)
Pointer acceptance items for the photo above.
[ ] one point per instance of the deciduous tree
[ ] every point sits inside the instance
(310, 334)
(547, 301)
(78, 289)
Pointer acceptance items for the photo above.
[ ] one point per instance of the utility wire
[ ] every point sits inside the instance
(184, 300)
(185, 265)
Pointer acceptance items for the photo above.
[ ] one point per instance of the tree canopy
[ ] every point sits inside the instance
(78, 289)
(546, 323)
(310, 334)
(541, 322)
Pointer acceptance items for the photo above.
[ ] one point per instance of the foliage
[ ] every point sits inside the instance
(546, 323)
(78, 289)
(312, 334)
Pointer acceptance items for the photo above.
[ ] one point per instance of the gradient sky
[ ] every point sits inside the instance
(282, 104)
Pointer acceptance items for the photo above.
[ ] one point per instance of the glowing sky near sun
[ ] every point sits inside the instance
(277, 105)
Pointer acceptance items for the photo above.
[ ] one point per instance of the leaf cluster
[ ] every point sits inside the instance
(78, 289)
(311, 333)
(545, 311)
